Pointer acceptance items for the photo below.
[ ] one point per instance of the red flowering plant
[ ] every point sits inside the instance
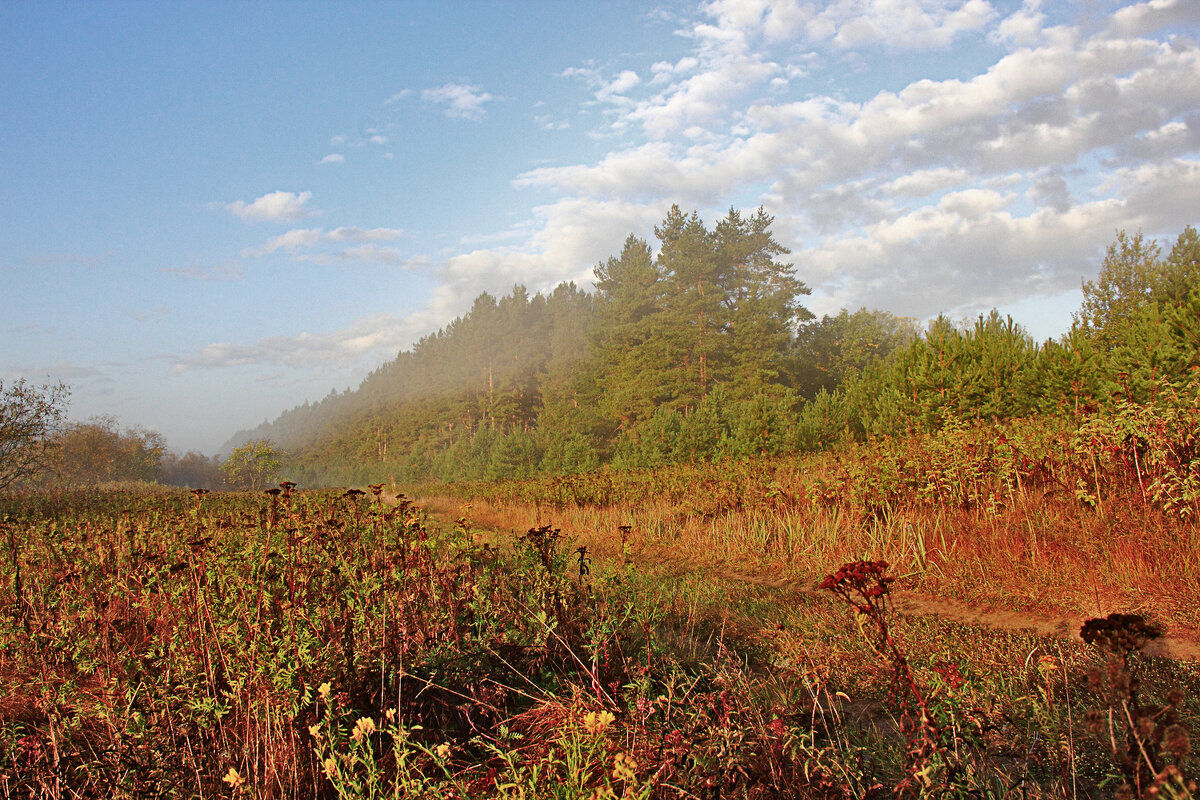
(929, 759)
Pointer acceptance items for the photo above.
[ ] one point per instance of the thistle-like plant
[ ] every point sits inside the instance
(1147, 741)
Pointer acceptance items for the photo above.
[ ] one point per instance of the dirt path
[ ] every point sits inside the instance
(915, 604)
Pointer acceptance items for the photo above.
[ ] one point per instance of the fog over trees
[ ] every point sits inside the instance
(696, 349)
(700, 348)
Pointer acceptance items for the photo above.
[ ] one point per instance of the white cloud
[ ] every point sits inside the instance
(307, 238)
(397, 97)
(461, 101)
(1141, 19)
(939, 196)
(292, 240)
(364, 234)
(924, 182)
(622, 83)
(274, 207)
(333, 158)
(1023, 27)
(894, 24)
(378, 139)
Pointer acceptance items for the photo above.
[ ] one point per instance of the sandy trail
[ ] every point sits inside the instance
(908, 603)
(916, 604)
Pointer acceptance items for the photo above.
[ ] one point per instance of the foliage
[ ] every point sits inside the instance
(703, 352)
(192, 470)
(29, 418)
(253, 465)
(1154, 744)
(98, 451)
(826, 353)
(330, 644)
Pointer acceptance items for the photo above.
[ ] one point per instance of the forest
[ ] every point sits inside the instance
(702, 350)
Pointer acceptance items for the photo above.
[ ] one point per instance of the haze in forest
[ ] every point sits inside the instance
(214, 214)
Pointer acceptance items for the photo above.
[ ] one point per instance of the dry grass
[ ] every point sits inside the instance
(1042, 553)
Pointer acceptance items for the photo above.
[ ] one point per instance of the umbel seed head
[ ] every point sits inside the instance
(1119, 633)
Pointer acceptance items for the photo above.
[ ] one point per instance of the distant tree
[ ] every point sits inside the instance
(253, 465)
(631, 358)
(192, 470)
(1127, 280)
(760, 298)
(1140, 316)
(1181, 271)
(98, 450)
(30, 417)
(827, 352)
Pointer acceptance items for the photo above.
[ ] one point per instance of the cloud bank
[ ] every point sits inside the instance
(949, 194)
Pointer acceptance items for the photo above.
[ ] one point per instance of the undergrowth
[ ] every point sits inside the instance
(329, 644)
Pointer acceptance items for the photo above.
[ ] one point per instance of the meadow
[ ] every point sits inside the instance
(986, 611)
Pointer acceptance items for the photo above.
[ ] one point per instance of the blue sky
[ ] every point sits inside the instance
(211, 212)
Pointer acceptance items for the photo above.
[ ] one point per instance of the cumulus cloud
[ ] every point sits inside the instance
(1141, 19)
(274, 207)
(948, 194)
(333, 158)
(939, 195)
(461, 101)
(1023, 27)
(895, 24)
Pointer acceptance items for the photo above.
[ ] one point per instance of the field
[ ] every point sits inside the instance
(887, 619)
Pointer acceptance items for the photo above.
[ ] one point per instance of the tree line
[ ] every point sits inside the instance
(704, 350)
(39, 448)
(698, 350)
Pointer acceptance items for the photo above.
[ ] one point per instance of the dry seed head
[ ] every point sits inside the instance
(1119, 634)
(1177, 742)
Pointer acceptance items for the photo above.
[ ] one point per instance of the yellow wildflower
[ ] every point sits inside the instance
(234, 780)
(624, 768)
(443, 750)
(324, 689)
(364, 727)
(595, 723)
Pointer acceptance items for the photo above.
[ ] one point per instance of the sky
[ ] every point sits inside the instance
(212, 212)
